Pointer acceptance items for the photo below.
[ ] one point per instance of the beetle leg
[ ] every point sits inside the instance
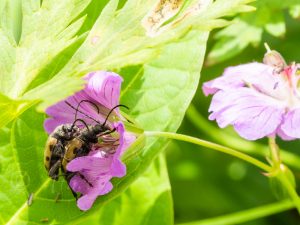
(53, 172)
(68, 177)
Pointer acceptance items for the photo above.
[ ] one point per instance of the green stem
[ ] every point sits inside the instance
(211, 145)
(286, 183)
(246, 215)
(274, 150)
(281, 172)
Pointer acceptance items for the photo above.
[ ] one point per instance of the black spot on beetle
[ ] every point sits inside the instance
(75, 150)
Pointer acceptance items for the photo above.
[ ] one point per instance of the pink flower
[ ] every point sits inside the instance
(258, 99)
(103, 161)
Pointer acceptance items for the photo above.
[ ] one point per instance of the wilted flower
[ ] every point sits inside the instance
(258, 99)
(103, 161)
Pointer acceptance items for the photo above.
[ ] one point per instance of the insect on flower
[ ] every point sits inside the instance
(258, 99)
(96, 138)
(68, 141)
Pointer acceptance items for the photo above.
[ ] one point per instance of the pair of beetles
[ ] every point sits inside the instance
(68, 142)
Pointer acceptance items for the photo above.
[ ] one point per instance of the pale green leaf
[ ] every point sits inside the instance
(276, 26)
(232, 40)
(249, 28)
(158, 97)
(42, 25)
(295, 11)
(116, 41)
(11, 109)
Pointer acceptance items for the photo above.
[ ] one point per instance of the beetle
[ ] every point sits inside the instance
(68, 142)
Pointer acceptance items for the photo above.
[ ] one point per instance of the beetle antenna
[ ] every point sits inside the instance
(88, 102)
(82, 121)
(112, 111)
(77, 110)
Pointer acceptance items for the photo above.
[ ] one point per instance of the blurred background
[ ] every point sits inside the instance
(207, 183)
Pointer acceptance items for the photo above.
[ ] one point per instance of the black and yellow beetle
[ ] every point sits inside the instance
(68, 141)
(55, 149)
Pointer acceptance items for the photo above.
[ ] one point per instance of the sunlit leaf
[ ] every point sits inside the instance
(116, 41)
(158, 97)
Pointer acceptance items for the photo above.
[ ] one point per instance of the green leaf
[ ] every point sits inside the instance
(276, 27)
(116, 41)
(11, 109)
(43, 26)
(158, 97)
(295, 11)
(248, 29)
(232, 40)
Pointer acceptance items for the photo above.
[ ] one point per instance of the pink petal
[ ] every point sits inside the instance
(79, 185)
(290, 127)
(239, 76)
(101, 165)
(104, 87)
(252, 114)
(118, 169)
(86, 201)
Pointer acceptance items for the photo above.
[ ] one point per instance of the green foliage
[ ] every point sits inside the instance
(164, 101)
(47, 47)
(113, 42)
(147, 102)
(248, 29)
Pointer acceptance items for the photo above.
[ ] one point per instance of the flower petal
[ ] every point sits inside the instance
(257, 75)
(290, 127)
(86, 201)
(102, 88)
(252, 114)
(118, 169)
(101, 165)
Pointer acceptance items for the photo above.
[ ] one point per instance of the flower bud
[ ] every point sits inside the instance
(274, 59)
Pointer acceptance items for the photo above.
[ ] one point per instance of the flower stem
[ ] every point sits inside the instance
(274, 150)
(282, 173)
(211, 145)
(246, 215)
(286, 183)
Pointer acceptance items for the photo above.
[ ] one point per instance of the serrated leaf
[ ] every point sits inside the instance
(158, 97)
(41, 28)
(268, 17)
(232, 40)
(42, 25)
(116, 41)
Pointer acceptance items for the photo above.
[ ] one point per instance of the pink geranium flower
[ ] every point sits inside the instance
(258, 99)
(103, 162)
